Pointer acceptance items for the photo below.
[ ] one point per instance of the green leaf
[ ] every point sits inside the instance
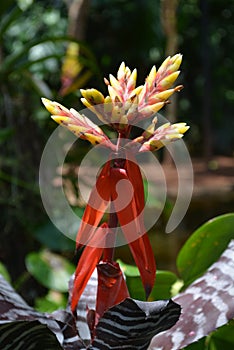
(5, 6)
(51, 270)
(162, 287)
(223, 338)
(53, 239)
(51, 302)
(12, 61)
(4, 272)
(204, 247)
(198, 345)
(5, 134)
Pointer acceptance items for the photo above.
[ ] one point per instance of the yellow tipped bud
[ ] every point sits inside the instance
(60, 120)
(176, 62)
(114, 82)
(85, 102)
(93, 96)
(169, 80)
(121, 71)
(93, 139)
(150, 130)
(152, 75)
(181, 127)
(77, 129)
(55, 107)
(127, 72)
(152, 145)
(164, 65)
(173, 137)
(156, 107)
(164, 95)
(112, 92)
(132, 80)
(136, 91)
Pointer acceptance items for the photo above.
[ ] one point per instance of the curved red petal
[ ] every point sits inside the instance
(144, 257)
(95, 209)
(89, 259)
(132, 221)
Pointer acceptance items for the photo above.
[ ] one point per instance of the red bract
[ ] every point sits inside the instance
(122, 187)
(112, 288)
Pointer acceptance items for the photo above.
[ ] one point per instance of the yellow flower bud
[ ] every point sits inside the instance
(164, 65)
(169, 80)
(121, 71)
(152, 76)
(60, 120)
(164, 95)
(93, 96)
(176, 62)
(114, 82)
(55, 107)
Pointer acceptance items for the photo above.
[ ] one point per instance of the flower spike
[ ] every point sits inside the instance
(130, 104)
(164, 135)
(79, 124)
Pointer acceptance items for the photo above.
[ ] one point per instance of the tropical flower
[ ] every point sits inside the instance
(79, 124)
(125, 106)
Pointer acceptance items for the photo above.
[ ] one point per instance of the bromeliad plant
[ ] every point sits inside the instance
(123, 108)
(111, 319)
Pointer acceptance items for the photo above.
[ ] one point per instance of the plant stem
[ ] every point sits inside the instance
(111, 237)
(113, 218)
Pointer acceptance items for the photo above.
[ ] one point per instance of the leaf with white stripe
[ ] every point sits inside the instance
(27, 335)
(208, 303)
(131, 324)
(61, 323)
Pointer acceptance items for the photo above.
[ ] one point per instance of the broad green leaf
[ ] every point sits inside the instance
(162, 287)
(51, 270)
(223, 338)
(205, 246)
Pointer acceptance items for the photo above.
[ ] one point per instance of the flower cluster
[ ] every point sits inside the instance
(127, 104)
(124, 107)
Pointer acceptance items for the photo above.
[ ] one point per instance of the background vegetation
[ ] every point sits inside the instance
(34, 36)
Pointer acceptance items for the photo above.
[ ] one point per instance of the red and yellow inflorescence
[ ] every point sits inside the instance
(124, 107)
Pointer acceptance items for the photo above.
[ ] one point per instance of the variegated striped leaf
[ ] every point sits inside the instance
(207, 304)
(27, 335)
(61, 323)
(131, 324)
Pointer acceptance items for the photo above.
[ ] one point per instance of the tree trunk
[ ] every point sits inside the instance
(206, 70)
(77, 16)
(169, 24)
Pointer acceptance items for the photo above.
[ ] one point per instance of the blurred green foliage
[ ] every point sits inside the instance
(205, 246)
(161, 290)
(33, 37)
(135, 35)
